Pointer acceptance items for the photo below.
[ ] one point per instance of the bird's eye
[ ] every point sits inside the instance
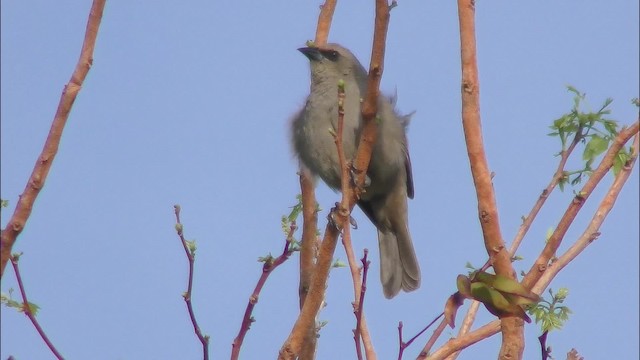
(331, 55)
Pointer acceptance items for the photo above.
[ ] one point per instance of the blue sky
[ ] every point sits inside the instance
(190, 105)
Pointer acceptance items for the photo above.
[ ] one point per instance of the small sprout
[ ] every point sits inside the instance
(191, 245)
(179, 228)
(338, 264)
(516, 258)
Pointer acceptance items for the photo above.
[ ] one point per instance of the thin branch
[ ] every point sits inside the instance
(592, 230)
(204, 339)
(404, 345)
(513, 337)
(432, 340)
(43, 164)
(459, 343)
(27, 309)
(359, 309)
(270, 264)
(542, 262)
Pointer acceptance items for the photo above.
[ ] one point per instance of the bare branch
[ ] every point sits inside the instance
(324, 22)
(43, 164)
(189, 251)
(513, 337)
(27, 308)
(292, 345)
(270, 264)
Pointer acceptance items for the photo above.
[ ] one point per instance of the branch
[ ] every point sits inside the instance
(190, 252)
(292, 346)
(27, 308)
(43, 164)
(309, 245)
(513, 338)
(404, 345)
(459, 343)
(593, 229)
(324, 22)
(270, 264)
(542, 263)
(590, 233)
(525, 226)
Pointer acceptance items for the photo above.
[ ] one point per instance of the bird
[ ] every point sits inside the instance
(389, 180)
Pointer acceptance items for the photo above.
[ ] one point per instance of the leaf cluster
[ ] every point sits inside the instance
(592, 129)
(550, 313)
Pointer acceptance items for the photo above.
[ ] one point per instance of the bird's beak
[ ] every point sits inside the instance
(312, 53)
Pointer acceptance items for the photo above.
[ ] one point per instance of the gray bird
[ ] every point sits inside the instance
(389, 179)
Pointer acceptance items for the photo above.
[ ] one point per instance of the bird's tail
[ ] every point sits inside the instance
(399, 267)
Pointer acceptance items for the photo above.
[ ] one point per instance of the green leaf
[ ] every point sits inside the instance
(596, 146)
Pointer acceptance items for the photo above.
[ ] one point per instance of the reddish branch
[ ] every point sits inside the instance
(309, 245)
(324, 22)
(43, 164)
(309, 234)
(404, 345)
(270, 264)
(204, 339)
(524, 228)
(359, 311)
(292, 346)
(27, 309)
(512, 331)
(549, 251)
(542, 280)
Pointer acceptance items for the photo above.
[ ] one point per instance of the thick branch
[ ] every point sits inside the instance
(43, 164)
(490, 329)
(513, 338)
(324, 22)
(291, 347)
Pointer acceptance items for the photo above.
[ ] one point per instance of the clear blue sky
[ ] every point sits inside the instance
(190, 104)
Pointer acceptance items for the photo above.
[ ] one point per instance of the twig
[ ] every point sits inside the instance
(27, 309)
(513, 337)
(43, 164)
(204, 339)
(459, 343)
(270, 264)
(543, 345)
(432, 340)
(404, 345)
(359, 311)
